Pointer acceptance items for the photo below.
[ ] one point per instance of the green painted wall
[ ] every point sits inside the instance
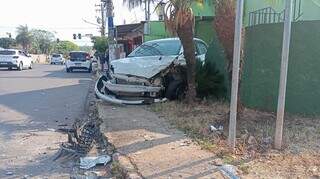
(204, 30)
(203, 9)
(261, 71)
(157, 31)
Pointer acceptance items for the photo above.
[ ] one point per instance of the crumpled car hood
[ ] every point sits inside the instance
(146, 67)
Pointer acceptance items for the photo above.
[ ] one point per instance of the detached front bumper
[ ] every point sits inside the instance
(111, 92)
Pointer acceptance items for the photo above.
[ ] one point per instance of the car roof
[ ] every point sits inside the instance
(78, 52)
(10, 49)
(174, 39)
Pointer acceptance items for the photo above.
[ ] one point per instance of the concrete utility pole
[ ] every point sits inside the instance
(108, 4)
(235, 74)
(147, 10)
(103, 21)
(283, 74)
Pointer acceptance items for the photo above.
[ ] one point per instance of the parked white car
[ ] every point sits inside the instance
(57, 59)
(79, 60)
(11, 58)
(153, 72)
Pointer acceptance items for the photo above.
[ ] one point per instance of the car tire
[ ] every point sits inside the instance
(10, 68)
(30, 67)
(175, 90)
(68, 70)
(20, 67)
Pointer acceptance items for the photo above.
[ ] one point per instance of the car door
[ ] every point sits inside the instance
(201, 49)
(24, 58)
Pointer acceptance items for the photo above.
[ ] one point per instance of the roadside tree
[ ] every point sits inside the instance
(64, 47)
(42, 42)
(24, 37)
(7, 42)
(100, 44)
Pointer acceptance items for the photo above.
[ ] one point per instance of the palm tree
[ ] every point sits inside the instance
(179, 20)
(24, 37)
(136, 3)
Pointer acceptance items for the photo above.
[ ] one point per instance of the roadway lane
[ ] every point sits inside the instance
(32, 103)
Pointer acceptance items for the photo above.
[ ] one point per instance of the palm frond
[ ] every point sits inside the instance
(177, 13)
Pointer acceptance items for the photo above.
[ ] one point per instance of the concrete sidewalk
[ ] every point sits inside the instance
(153, 147)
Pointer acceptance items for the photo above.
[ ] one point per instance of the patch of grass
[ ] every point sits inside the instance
(118, 171)
(206, 144)
(301, 138)
(244, 168)
(228, 159)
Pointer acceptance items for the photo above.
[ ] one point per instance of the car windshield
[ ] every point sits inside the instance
(78, 55)
(55, 55)
(7, 52)
(154, 48)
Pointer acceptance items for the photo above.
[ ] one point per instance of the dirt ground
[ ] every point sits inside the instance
(255, 132)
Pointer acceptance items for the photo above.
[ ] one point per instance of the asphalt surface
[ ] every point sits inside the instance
(33, 103)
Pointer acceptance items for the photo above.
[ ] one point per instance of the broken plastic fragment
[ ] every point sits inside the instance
(89, 162)
(229, 171)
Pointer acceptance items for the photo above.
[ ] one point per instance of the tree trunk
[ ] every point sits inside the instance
(185, 33)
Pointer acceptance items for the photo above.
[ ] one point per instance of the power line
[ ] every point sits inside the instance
(58, 28)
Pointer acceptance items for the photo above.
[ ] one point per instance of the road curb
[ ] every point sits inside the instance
(123, 161)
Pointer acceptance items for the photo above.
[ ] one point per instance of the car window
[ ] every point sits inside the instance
(56, 55)
(154, 48)
(201, 48)
(21, 53)
(79, 55)
(7, 52)
(25, 54)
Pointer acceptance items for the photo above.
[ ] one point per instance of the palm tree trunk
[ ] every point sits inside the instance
(185, 33)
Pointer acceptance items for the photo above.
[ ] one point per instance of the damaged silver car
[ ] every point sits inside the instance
(154, 72)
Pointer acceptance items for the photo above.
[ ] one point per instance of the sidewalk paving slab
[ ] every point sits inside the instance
(156, 149)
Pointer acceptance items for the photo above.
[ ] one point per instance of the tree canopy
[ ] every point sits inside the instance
(24, 37)
(42, 41)
(100, 44)
(64, 47)
(7, 42)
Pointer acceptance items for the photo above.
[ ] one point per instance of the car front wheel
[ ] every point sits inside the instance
(175, 90)
(30, 67)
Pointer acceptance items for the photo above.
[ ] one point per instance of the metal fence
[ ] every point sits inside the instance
(269, 15)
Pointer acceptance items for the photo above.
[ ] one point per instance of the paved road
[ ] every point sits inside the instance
(32, 103)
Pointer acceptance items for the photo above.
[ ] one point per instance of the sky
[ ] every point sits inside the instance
(62, 17)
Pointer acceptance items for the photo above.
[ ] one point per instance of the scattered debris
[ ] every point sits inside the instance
(217, 162)
(216, 128)
(9, 173)
(148, 138)
(252, 140)
(52, 130)
(81, 139)
(185, 143)
(229, 171)
(89, 162)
